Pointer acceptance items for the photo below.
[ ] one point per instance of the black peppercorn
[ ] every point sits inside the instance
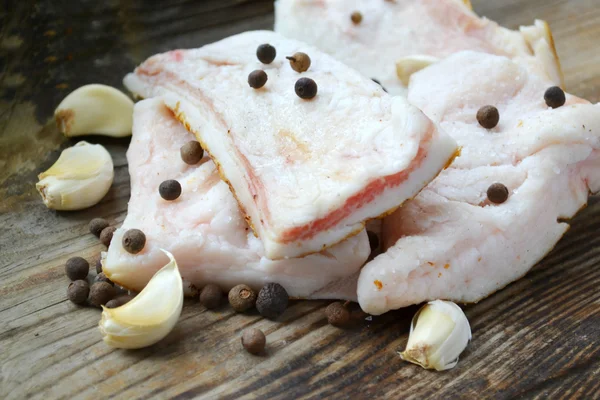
(306, 88)
(133, 241)
(77, 268)
(488, 117)
(78, 291)
(337, 314)
(191, 152)
(300, 62)
(497, 193)
(242, 298)
(356, 17)
(257, 79)
(272, 300)
(107, 235)
(373, 240)
(211, 296)
(254, 341)
(266, 53)
(170, 189)
(101, 293)
(97, 225)
(103, 278)
(555, 97)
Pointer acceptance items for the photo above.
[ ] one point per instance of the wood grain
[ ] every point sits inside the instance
(537, 338)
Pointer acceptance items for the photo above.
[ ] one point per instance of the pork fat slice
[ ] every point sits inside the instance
(306, 173)
(451, 242)
(204, 228)
(390, 31)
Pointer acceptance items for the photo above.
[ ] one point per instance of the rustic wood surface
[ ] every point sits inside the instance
(537, 338)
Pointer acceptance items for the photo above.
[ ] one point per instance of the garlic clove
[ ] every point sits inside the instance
(407, 66)
(149, 316)
(80, 178)
(439, 332)
(95, 109)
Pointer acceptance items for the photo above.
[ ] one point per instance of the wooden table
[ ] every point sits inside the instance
(538, 338)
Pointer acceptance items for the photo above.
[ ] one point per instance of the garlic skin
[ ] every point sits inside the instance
(439, 332)
(79, 179)
(149, 316)
(407, 66)
(95, 109)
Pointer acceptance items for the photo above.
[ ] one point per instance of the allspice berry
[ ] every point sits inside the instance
(257, 79)
(107, 235)
(337, 314)
(272, 300)
(118, 301)
(77, 268)
(488, 117)
(254, 341)
(306, 88)
(356, 17)
(266, 53)
(555, 97)
(78, 291)
(300, 62)
(103, 278)
(497, 193)
(97, 225)
(99, 265)
(242, 298)
(101, 293)
(191, 152)
(170, 190)
(134, 241)
(211, 296)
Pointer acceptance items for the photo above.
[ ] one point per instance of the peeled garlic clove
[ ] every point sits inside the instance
(80, 178)
(95, 109)
(439, 332)
(150, 316)
(407, 66)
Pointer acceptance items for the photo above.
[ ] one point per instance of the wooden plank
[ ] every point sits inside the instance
(537, 338)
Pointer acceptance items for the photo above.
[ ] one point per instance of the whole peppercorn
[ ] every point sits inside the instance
(77, 268)
(257, 79)
(170, 189)
(337, 314)
(118, 301)
(114, 303)
(107, 235)
(272, 300)
(191, 152)
(373, 240)
(242, 298)
(300, 62)
(133, 241)
(101, 293)
(497, 193)
(488, 117)
(254, 341)
(306, 88)
(266, 53)
(78, 291)
(99, 265)
(356, 17)
(211, 296)
(103, 278)
(555, 97)
(97, 225)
